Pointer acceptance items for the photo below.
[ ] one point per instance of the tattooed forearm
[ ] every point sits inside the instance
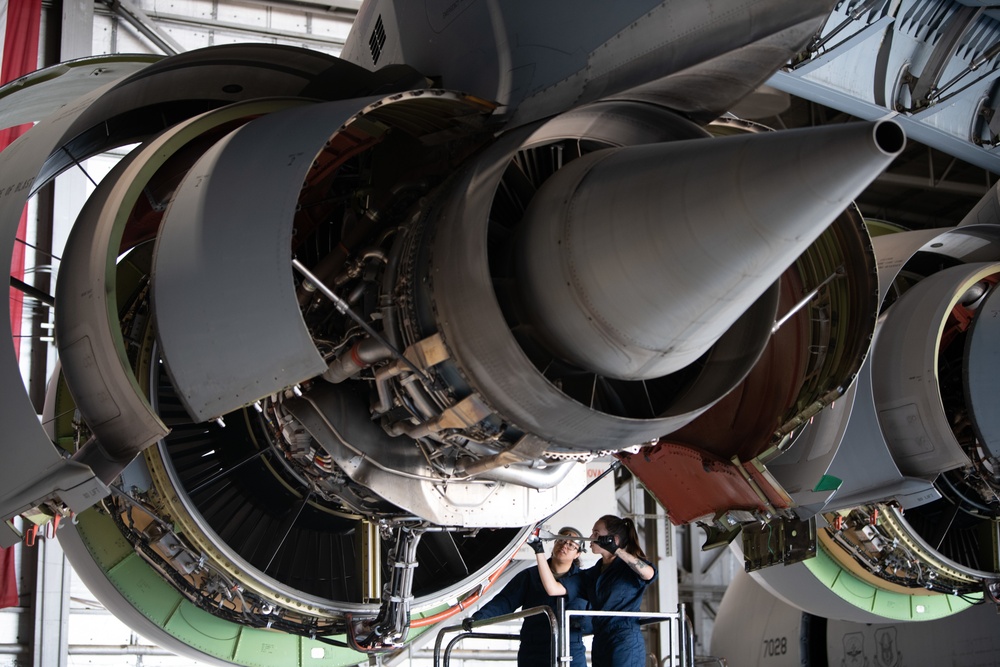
(643, 569)
(638, 566)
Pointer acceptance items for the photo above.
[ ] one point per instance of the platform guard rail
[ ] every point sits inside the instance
(680, 656)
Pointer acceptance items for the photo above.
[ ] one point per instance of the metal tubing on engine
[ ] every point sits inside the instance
(361, 355)
(636, 260)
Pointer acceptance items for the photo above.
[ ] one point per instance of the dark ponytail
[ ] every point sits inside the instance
(624, 530)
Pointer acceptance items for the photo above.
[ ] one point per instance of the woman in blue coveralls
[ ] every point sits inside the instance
(525, 590)
(614, 583)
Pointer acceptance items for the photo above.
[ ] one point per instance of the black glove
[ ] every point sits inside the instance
(607, 542)
(536, 544)
(467, 623)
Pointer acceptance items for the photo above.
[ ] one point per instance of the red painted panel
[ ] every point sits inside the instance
(690, 483)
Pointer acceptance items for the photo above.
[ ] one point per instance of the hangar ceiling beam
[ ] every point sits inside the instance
(141, 21)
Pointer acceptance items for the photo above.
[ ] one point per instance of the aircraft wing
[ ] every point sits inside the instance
(932, 66)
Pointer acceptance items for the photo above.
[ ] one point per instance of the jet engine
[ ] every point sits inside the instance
(333, 341)
(901, 480)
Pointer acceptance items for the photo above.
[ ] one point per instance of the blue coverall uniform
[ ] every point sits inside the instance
(525, 590)
(617, 640)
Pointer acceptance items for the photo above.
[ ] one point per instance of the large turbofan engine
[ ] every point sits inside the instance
(902, 476)
(355, 325)
(413, 392)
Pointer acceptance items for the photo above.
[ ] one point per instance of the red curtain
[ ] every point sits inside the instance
(20, 56)
(8, 579)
